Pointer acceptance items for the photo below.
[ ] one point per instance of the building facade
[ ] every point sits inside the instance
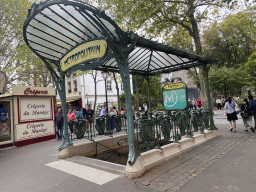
(80, 90)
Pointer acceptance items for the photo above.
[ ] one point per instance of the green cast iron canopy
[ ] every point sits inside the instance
(54, 27)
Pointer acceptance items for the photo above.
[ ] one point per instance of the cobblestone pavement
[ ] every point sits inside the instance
(172, 175)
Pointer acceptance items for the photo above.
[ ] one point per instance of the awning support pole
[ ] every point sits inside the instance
(124, 71)
(149, 99)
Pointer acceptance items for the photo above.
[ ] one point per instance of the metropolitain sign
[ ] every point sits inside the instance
(88, 51)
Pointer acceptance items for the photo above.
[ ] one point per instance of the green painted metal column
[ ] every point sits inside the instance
(60, 84)
(149, 99)
(123, 66)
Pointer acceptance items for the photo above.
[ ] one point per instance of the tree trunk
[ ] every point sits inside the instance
(196, 36)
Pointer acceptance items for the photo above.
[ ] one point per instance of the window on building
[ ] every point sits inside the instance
(75, 85)
(109, 85)
(69, 87)
(122, 86)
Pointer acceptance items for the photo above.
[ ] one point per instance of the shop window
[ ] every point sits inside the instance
(109, 85)
(69, 87)
(75, 85)
(5, 121)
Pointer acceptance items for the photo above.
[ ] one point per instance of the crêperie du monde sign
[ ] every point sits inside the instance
(85, 52)
(175, 96)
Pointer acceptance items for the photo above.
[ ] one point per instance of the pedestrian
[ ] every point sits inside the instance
(58, 120)
(123, 111)
(71, 117)
(253, 104)
(81, 113)
(89, 115)
(112, 113)
(222, 102)
(114, 108)
(89, 112)
(194, 103)
(84, 111)
(103, 112)
(199, 103)
(77, 113)
(231, 113)
(218, 101)
(246, 113)
(190, 104)
(145, 107)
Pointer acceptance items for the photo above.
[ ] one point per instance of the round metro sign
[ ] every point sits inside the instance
(175, 96)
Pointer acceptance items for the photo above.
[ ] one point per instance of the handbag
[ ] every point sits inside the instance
(237, 110)
(244, 115)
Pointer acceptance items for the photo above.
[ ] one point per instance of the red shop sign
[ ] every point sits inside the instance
(35, 91)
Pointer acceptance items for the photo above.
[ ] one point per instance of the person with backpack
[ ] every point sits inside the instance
(253, 104)
(246, 114)
(231, 113)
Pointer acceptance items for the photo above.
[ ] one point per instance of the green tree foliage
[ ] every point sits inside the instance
(156, 93)
(140, 88)
(232, 41)
(20, 64)
(31, 70)
(228, 81)
(250, 67)
(12, 17)
(160, 18)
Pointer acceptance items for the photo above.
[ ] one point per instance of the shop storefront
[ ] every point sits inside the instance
(27, 116)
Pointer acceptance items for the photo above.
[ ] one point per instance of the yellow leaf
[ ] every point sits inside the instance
(216, 187)
(194, 175)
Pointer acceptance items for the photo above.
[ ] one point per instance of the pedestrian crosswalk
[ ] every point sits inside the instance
(97, 176)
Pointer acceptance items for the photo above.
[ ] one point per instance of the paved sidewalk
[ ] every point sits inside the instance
(223, 164)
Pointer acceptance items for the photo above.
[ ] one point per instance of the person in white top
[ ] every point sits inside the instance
(231, 113)
(145, 107)
(218, 101)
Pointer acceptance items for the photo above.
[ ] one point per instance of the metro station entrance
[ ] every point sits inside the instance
(72, 35)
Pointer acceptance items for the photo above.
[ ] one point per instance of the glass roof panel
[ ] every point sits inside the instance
(46, 51)
(46, 44)
(90, 24)
(165, 58)
(110, 27)
(111, 62)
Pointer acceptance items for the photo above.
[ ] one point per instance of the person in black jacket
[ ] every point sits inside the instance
(58, 120)
(246, 110)
(253, 104)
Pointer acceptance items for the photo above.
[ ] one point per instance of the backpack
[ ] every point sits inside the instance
(245, 112)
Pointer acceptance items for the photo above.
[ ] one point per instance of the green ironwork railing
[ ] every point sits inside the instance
(152, 130)
(156, 130)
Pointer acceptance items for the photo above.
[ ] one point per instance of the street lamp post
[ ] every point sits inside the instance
(105, 76)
